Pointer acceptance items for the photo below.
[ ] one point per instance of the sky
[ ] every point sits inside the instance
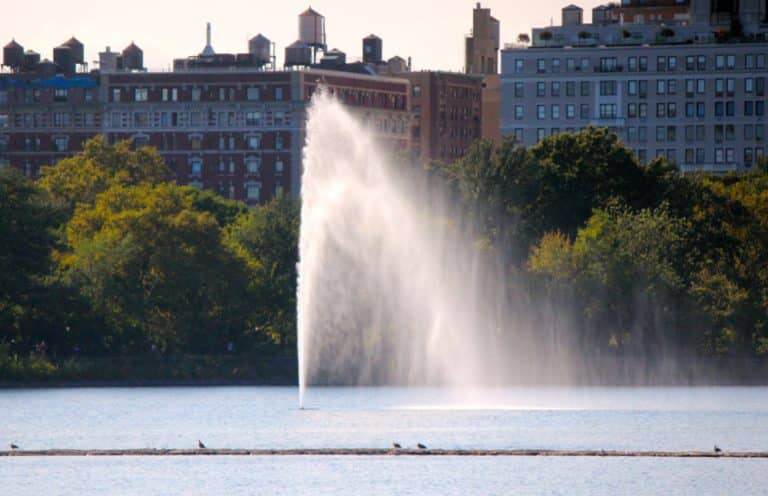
(430, 31)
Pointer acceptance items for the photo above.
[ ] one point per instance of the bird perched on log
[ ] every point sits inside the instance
(396, 445)
(200, 444)
(717, 449)
(14, 446)
(421, 446)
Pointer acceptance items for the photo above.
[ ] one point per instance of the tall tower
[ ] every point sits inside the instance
(482, 46)
(208, 50)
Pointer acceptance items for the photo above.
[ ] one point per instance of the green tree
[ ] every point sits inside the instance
(267, 240)
(26, 240)
(155, 267)
(80, 178)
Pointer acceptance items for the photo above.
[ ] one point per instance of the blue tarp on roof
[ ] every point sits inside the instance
(57, 81)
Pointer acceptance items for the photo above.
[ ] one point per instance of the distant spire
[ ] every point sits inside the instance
(208, 50)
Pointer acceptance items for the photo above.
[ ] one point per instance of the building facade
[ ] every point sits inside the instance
(238, 132)
(481, 48)
(695, 101)
(447, 113)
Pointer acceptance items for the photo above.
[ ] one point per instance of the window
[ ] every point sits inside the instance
(661, 63)
(661, 133)
(701, 86)
(278, 142)
(748, 107)
(690, 109)
(719, 62)
(570, 64)
(661, 110)
(759, 132)
(555, 65)
(748, 156)
(252, 165)
(555, 88)
(690, 133)
(749, 132)
(570, 111)
(519, 66)
(60, 95)
(730, 86)
(518, 135)
(631, 110)
(730, 155)
(701, 110)
(642, 110)
(540, 133)
(555, 111)
(196, 167)
(760, 61)
(607, 88)
(672, 63)
(584, 111)
(689, 155)
(701, 132)
(140, 119)
(642, 134)
(60, 119)
(169, 94)
(730, 109)
(719, 87)
(701, 63)
(196, 94)
(730, 62)
(570, 88)
(700, 156)
(632, 64)
(642, 88)
(671, 87)
(541, 89)
(759, 108)
(541, 112)
(643, 64)
(254, 142)
(719, 109)
(519, 113)
(253, 191)
(607, 110)
(760, 86)
(661, 87)
(584, 88)
(253, 119)
(719, 155)
(255, 94)
(115, 94)
(541, 65)
(690, 63)
(631, 134)
(61, 143)
(518, 90)
(140, 94)
(608, 64)
(730, 133)
(278, 166)
(690, 87)
(632, 88)
(671, 109)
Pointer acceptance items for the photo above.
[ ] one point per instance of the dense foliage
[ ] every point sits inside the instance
(647, 259)
(104, 256)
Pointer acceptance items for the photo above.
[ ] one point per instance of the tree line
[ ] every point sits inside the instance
(642, 258)
(105, 255)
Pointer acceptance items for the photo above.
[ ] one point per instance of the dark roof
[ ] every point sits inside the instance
(372, 37)
(259, 37)
(13, 44)
(310, 12)
(132, 48)
(71, 42)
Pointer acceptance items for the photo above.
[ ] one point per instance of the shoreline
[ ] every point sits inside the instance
(380, 452)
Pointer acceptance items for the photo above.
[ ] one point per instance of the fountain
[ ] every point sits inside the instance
(391, 289)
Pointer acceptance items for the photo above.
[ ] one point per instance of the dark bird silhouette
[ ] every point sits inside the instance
(421, 446)
(200, 444)
(396, 445)
(14, 446)
(717, 449)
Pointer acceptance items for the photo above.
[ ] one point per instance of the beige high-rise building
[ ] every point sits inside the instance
(482, 46)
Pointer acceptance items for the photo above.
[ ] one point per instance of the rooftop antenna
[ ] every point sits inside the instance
(208, 50)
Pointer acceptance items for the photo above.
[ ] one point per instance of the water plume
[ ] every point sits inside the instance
(390, 289)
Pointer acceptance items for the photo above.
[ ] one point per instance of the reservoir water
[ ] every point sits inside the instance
(734, 418)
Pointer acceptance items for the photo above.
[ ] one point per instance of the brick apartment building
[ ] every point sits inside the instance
(238, 132)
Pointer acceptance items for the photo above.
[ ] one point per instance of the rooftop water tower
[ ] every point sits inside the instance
(13, 55)
(262, 50)
(133, 58)
(298, 54)
(312, 30)
(372, 49)
(77, 50)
